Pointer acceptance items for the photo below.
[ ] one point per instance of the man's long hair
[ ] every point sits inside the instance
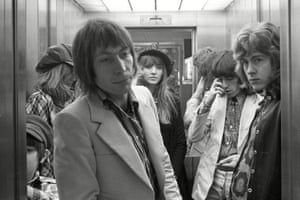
(263, 38)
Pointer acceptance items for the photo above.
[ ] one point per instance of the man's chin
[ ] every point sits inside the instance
(257, 88)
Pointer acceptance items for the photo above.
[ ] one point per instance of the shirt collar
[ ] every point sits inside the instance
(132, 99)
(268, 94)
(239, 98)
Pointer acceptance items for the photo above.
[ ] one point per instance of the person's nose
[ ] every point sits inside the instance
(224, 84)
(153, 69)
(251, 68)
(120, 64)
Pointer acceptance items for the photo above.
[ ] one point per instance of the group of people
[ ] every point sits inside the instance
(54, 89)
(235, 127)
(105, 124)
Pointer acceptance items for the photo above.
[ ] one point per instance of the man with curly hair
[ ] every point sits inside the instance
(258, 173)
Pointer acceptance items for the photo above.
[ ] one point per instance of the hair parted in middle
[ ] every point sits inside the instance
(163, 92)
(97, 33)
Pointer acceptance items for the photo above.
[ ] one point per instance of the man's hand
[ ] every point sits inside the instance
(216, 88)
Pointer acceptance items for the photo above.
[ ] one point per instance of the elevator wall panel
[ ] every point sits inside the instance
(241, 12)
(12, 98)
(69, 19)
(32, 43)
(269, 11)
(48, 22)
(290, 73)
(7, 168)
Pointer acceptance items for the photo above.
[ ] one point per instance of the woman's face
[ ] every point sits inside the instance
(152, 69)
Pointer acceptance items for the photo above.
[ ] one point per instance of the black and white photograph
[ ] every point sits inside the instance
(149, 100)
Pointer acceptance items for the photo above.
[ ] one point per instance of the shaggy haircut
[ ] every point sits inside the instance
(224, 64)
(203, 61)
(97, 33)
(263, 38)
(52, 83)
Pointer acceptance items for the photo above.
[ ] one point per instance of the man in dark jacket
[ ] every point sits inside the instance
(258, 173)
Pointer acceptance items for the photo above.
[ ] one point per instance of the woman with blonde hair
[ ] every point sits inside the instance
(54, 88)
(155, 69)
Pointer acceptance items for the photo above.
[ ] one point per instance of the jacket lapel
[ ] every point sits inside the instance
(152, 134)
(115, 136)
(207, 165)
(248, 113)
(218, 116)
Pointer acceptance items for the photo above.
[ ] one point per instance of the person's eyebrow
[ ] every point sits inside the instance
(105, 52)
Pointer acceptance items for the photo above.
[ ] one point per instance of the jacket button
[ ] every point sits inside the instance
(257, 132)
(255, 152)
(252, 171)
(249, 190)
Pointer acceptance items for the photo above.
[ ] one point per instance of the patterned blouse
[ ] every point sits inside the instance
(41, 104)
(43, 188)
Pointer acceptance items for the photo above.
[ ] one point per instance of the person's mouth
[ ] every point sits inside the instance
(153, 78)
(253, 80)
(123, 80)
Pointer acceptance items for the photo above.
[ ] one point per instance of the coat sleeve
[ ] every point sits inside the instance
(170, 186)
(197, 128)
(171, 190)
(193, 103)
(74, 159)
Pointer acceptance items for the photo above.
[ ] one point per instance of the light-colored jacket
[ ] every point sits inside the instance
(210, 131)
(94, 157)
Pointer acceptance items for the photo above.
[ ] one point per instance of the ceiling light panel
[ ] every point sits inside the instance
(91, 5)
(117, 5)
(168, 5)
(193, 5)
(217, 4)
(143, 5)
